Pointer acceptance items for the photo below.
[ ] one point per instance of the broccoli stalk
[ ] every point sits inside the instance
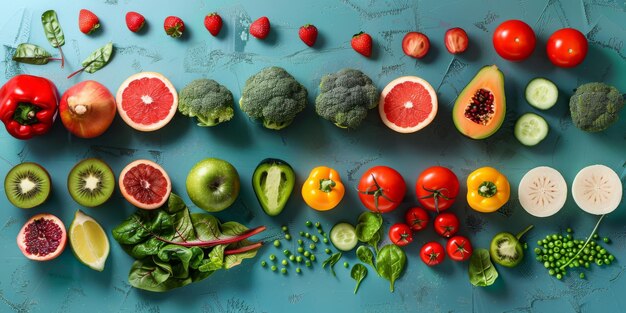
(595, 106)
(346, 97)
(207, 100)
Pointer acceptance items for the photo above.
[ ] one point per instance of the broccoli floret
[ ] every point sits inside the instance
(345, 97)
(595, 106)
(207, 100)
(273, 96)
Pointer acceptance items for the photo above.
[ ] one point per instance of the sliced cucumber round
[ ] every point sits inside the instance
(541, 93)
(531, 129)
(343, 236)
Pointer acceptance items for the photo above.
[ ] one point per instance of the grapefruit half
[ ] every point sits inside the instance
(147, 101)
(145, 184)
(408, 104)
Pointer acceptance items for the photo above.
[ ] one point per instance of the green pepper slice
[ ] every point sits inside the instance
(273, 181)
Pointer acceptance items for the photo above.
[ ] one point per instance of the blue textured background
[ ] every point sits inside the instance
(65, 285)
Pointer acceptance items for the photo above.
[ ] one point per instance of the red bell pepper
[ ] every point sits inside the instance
(28, 105)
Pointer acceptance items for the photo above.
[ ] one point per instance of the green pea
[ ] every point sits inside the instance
(318, 225)
(263, 263)
(312, 246)
(307, 263)
(292, 258)
(551, 272)
(537, 251)
(586, 251)
(301, 233)
(555, 237)
(308, 223)
(525, 245)
(286, 252)
(346, 265)
(570, 244)
(606, 239)
(546, 264)
(539, 258)
(559, 276)
(314, 238)
(298, 259)
(300, 249)
(569, 230)
(607, 261)
(276, 243)
(284, 228)
(611, 257)
(312, 257)
(307, 235)
(298, 270)
(273, 268)
(283, 270)
(284, 262)
(287, 237)
(307, 254)
(599, 262)
(545, 257)
(551, 258)
(557, 256)
(582, 275)
(587, 265)
(595, 236)
(327, 251)
(300, 242)
(551, 244)
(556, 249)
(325, 240)
(272, 257)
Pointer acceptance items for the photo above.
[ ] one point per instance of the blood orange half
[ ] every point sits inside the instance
(408, 104)
(145, 184)
(147, 101)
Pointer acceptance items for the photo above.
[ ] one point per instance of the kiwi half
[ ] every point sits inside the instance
(91, 182)
(27, 185)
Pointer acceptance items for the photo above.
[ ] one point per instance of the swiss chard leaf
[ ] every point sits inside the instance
(52, 28)
(358, 273)
(31, 54)
(236, 259)
(206, 226)
(368, 225)
(98, 59)
(390, 263)
(146, 274)
(481, 271)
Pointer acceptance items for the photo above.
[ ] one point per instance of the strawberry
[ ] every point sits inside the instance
(135, 21)
(213, 23)
(415, 45)
(174, 26)
(308, 34)
(87, 21)
(362, 43)
(260, 28)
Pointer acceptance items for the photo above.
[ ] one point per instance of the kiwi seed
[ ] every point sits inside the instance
(27, 185)
(91, 182)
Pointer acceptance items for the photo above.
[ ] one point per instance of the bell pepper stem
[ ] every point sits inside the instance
(327, 185)
(487, 189)
(26, 114)
(520, 234)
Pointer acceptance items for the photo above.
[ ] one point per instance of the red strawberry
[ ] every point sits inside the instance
(260, 28)
(362, 43)
(174, 26)
(308, 34)
(135, 21)
(213, 23)
(87, 21)
(415, 45)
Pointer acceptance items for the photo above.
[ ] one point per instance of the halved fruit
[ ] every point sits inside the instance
(89, 241)
(91, 182)
(42, 238)
(145, 184)
(480, 108)
(147, 101)
(27, 185)
(408, 104)
(597, 189)
(542, 191)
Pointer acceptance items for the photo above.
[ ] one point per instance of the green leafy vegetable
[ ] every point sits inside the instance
(96, 60)
(482, 273)
(53, 31)
(174, 248)
(32, 54)
(331, 261)
(368, 226)
(390, 263)
(358, 273)
(365, 255)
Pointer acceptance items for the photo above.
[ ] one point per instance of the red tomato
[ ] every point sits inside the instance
(446, 224)
(459, 248)
(514, 40)
(381, 189)
(416, 218)
(567, 47)
(400, 234)
(432, 253)
(437, 188)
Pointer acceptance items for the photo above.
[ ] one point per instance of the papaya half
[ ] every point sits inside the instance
(480, 108)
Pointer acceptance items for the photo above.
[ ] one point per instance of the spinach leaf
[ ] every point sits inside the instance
(358, 273)
(98, 59)
(481, 271)
(365, 255)
(52, 28)
(375, 240)
(31, 54)
(368, 225)
(390, 263)
(331, 261)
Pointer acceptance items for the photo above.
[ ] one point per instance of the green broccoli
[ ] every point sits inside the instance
(345, 97)
(273, 96)
(207, 100)
(595, 106)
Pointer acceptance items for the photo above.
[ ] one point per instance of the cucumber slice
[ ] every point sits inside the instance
(343, 236)
(541, 93)
(531, 129)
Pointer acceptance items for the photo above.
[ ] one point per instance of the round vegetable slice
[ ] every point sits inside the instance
(541, 93)
(343, 236)
(542, 191)
(531, 129)
(597, 189)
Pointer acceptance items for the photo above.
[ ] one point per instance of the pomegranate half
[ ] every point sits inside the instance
(42, 238)
(87, 109)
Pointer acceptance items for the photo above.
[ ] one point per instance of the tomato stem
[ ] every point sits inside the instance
(377, 193)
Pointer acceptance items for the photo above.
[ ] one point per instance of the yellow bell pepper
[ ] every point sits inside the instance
(487, 190)
(323, 189)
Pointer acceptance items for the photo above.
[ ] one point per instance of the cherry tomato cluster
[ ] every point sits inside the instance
(515, 40)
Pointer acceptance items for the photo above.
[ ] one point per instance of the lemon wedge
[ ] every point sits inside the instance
(89, 241)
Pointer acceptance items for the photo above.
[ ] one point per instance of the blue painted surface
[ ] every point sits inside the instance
(65, 285)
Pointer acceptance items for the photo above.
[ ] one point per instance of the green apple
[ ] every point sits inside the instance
(213, 184)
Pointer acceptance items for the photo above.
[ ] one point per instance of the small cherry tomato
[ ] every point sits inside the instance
(416, 218)
(446, 224)
(432, 253)
(459, 248)
(400, 234)
(567, 47)
(514, 40)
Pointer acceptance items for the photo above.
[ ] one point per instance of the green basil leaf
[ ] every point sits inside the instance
(481, 271)
(390, 263)
(52, 28)
(31, 54)
(98, 59)
(358, 273)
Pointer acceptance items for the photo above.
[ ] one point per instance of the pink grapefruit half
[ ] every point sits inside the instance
(145, 184)
(147, 101)
(408, 104)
